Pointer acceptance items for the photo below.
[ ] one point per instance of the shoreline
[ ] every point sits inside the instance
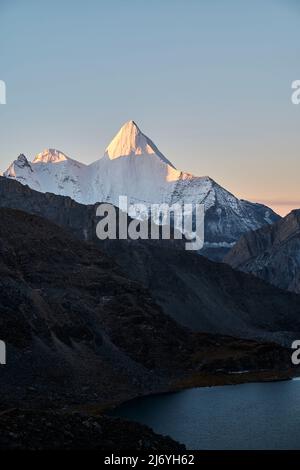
(108, 429)
(199, 380)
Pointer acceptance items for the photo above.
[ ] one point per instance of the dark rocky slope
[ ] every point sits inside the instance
(80, 337)
(272, 253)
(52, 430)
(78, 331)
(73, 323)
(207, 296)
(197, 293)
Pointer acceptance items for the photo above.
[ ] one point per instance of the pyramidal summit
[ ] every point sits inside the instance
(131, 141)
(133, 166)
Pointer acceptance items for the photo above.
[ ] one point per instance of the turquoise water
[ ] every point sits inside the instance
(247, 416)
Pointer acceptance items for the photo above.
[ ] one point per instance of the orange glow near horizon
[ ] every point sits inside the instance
(282, 208)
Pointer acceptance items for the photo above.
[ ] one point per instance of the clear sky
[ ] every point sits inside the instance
(208, 80)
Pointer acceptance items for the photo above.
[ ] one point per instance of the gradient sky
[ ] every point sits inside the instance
(208, 80)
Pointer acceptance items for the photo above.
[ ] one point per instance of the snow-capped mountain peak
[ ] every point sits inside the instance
(130, 141)
(21, 164)
(51, 171)
(22, 161)
(133, 166)
(50, 156)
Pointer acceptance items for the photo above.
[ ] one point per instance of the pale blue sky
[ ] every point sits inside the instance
(208, 80)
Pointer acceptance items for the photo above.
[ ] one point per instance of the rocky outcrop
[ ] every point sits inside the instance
(271, 253)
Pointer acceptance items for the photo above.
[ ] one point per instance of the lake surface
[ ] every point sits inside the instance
(247, 416)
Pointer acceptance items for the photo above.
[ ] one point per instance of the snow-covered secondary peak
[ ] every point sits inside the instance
(51, 171)
(50, 156)
(130, 141)
(22, 159)
(20, 165)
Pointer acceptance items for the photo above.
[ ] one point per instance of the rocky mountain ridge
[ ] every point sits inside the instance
(271, 253)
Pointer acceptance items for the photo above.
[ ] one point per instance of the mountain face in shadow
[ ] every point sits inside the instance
(271, 253)
(207, 296)
(79, 331)
(197, 293)
(69, 316)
